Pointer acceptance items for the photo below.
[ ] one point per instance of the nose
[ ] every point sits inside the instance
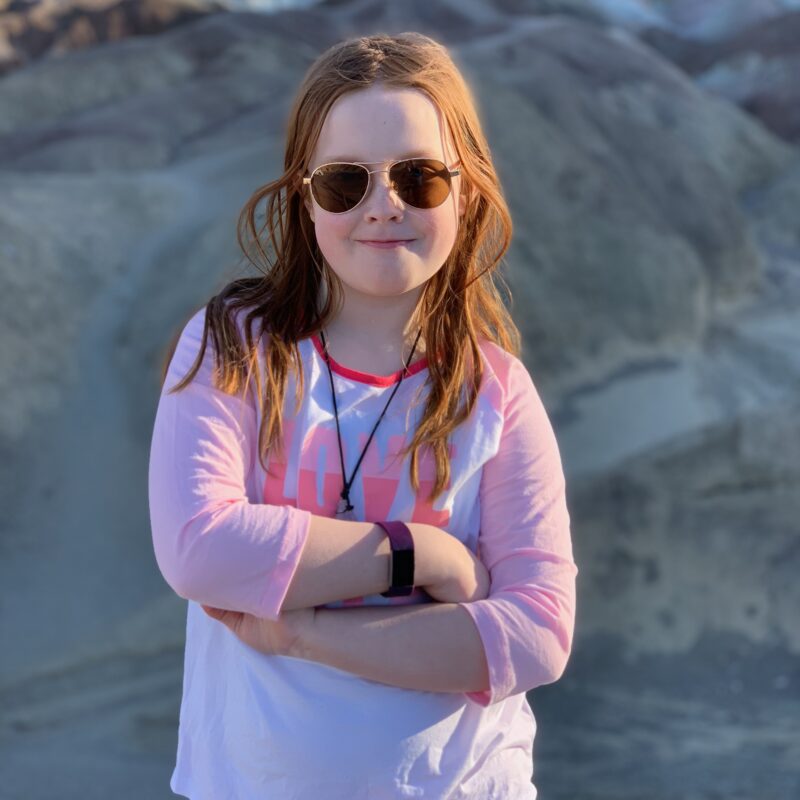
(382, 201)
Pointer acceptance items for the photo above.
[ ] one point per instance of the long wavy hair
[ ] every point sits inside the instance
(460, 303)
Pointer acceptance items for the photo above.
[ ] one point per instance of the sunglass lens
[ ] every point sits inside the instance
(339, 187)
(421, 182)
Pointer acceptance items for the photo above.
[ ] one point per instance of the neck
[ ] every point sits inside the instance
(386, 325)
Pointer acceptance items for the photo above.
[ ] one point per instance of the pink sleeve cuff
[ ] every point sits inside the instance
(497, 652)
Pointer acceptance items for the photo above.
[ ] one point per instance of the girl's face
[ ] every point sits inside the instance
(383, 125)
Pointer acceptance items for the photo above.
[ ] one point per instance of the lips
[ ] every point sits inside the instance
(385, 244)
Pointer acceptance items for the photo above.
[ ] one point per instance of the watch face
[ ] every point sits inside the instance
(402, 544)
(403, 568)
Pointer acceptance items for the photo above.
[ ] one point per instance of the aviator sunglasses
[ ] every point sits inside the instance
(339, 186)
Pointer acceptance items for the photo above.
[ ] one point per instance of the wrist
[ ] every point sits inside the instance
(434, 554)
(403, 577)
(303, 636)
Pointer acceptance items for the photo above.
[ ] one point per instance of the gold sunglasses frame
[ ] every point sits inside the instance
(451, 171)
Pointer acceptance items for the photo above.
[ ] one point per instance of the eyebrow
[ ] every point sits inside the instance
(351, 159)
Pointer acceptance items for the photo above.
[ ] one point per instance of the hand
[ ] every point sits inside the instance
(281, 637)
(465, 580)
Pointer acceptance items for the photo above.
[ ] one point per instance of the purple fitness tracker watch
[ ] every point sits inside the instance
(402, 559)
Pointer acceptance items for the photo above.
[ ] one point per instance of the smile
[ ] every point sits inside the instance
(385, 245)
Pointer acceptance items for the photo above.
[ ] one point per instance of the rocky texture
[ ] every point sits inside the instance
(29, 31)
(746, 51)
(711, 20)
(757, 69)
(698, 534)
(737, 37)
(706, 21)
(599, 123)
(656, 277)
(629, 175)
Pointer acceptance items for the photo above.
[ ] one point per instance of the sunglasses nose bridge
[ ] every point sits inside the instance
(370, 172)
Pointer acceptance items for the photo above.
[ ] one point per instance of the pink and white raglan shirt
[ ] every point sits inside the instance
(226, 534)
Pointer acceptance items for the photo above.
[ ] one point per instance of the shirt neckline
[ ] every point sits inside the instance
(368, 377)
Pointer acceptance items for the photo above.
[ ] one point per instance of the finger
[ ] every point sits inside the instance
(216, 613)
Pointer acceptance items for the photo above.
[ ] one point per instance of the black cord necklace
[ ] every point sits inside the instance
(344, 509)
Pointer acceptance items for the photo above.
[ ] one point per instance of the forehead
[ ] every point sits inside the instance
(378, 124)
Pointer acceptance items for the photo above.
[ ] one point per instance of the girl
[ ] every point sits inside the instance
(363, 502)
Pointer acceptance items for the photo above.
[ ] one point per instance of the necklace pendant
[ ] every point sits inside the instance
(342, 511)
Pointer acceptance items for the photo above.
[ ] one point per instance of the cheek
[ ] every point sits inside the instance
(435, 225)
(442, 230)
(332, 234)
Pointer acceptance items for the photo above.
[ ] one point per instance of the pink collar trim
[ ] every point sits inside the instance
(366, 377)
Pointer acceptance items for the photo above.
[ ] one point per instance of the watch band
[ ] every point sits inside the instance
(402, 544)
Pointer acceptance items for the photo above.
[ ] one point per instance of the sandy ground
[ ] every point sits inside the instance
(107, 728)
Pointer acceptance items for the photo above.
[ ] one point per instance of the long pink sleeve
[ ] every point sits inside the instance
(211, 543)
(527, 622)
